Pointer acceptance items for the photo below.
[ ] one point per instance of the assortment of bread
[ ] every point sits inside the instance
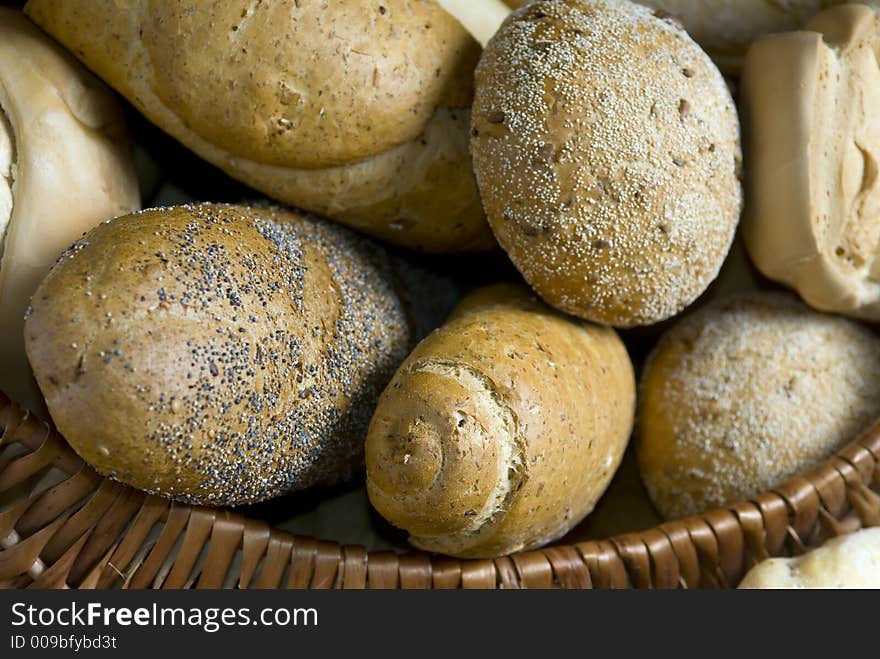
(226, 354)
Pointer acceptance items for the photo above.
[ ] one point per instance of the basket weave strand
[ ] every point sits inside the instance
(79, 530)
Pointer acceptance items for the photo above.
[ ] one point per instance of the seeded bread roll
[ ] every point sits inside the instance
(747, 392)
(218, 354)
(357, 110)
(606, 148)
(813, 217)
(64, 166)
(850, 561)
(502, 429)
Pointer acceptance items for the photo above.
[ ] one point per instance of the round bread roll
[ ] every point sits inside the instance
(65, 166)
(606, 148)
(747, 392)
(813, 213)
(849, 561)
(218, 354)
(502, 429)
(356, 110)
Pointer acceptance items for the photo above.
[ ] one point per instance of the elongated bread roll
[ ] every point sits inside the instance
(850, 561)
(64, 167)
(356, 110)
(220, 354)
(502, 429)
(813, 212)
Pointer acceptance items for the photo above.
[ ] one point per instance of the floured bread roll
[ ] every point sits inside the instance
(813, 211)
(606, 148)
(850, 561)
(64, 167)
(747, 392)
(355, 110)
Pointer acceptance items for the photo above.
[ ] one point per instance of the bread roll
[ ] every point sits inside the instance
(502, 429)
(218, 354)
(725, 28)
(813, 218)
(849, 561)
(356, 110)
(747, 392)
(64, 166)
(606, 148)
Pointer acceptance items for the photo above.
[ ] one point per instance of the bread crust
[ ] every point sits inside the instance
(747, 392)
(502, 429)
(813, 214)
(66, 166)
(612, 186)
(355, 122)
(218, 354)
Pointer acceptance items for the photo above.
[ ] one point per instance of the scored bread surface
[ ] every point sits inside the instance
(217, 354)
(606, 148)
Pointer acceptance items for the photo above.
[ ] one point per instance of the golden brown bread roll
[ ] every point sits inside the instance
(64, 166)
(218, 354)
(502, 428)
(606, 148)
(747, 392)
(340, 108)
(813, 212)
(849, 561)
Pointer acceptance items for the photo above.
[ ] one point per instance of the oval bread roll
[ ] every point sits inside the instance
(747, 392)
(502, 429)
(606, 148)
(813, 218)
(338, 108)
(64, 167)
(218, 354)
(849, 561)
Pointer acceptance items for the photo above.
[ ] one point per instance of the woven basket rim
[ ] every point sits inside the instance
(91, 532)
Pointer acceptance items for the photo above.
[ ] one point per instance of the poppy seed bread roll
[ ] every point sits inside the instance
(355, 110)
(502, 429)
(218, 354)
(606, 149)
(747, 392)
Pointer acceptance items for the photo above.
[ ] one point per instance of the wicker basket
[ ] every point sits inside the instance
(84, 531)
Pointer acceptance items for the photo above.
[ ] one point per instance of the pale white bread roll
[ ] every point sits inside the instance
(813, 213)
(849, 561)
(64, 167)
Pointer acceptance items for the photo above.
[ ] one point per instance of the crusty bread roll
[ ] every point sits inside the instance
(813, 212)
(849, 561)
(218, 354)
(502, 429)
(747, 392)
(355, 110)
(64, 166)
(606, 148)
(725, 28)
